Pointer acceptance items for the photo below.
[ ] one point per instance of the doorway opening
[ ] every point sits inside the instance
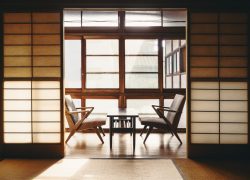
(125, 59)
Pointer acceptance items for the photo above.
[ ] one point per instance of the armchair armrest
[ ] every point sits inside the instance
(85, 108)
(159, 109)
(77, 112)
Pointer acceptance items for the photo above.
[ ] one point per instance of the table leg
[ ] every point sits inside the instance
(110, 131)
(134, 134)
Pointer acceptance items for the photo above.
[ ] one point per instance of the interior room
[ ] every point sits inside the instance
(124, 90)
(126, 59)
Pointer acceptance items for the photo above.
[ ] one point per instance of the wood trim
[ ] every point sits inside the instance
(1, 83)
(62, 84)
(188, 87)
(83, 64)
(248, 65)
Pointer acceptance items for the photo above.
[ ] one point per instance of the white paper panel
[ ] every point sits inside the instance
(17, 94)
(233, 85)
(46, 116)
(233, 128)
(46, 105)
(233, 94)
(17, 116)
(46, 127)
(17, 138)
(233, 116)
(205, 85)
(233, 106)
(46, 94)
(205, 94)
(46, 138)
(17, 72)
(205, 105)
(17, 105)
(205, 116)
(17, 127)
(17, 84)
(45, 84)
(233, 139)
(205, 127)
(205, 138)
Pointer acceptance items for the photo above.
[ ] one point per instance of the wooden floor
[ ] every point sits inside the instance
(87, 145)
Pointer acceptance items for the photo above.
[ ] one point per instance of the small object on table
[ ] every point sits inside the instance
(123, 120)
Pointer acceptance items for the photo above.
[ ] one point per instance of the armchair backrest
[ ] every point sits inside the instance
(70, 106)
(177, 106)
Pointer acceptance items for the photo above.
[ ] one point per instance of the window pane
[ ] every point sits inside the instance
(102, 64)
(141, 81)
(176, 81)
(73, 63)
(102, 47)
(174, 18)
(169, 82)
(99, 18)
(102, 81)
(142, 18)
(72, 18)
(141, 64)
(143, 106)
(102, 105)
(168, 46)
(141, 47)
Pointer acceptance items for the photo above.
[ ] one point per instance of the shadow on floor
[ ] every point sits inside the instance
(221, 169)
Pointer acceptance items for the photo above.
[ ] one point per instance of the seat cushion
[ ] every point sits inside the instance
(94, 121)
(152, 121)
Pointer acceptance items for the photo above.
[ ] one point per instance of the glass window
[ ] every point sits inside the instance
(174, 62)
(142, 18)
(141, 63)
(175, 18)
(72, 18)
(102, 105)
(73, 64)
(99, 18)
(141, 47)
(102, 63)
(142, 106)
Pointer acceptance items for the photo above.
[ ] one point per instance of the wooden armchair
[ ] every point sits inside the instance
(169, 121)
(79, 121)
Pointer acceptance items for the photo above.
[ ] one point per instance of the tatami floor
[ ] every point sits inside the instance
(124, 169)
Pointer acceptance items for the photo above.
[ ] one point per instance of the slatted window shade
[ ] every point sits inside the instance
(32, 50)
(218, 74)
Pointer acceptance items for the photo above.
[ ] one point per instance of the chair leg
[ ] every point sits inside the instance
(99, 135)
(177, 136)
(70, 135)
(100, 128)
(149, 131)
(142, 131)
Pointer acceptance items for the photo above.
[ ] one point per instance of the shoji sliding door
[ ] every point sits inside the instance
(32, 84)
(218, 83)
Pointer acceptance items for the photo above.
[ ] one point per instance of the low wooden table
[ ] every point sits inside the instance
(123, 120)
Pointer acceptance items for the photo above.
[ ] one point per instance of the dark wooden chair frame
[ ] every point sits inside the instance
(171, 127)
(79, 125)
